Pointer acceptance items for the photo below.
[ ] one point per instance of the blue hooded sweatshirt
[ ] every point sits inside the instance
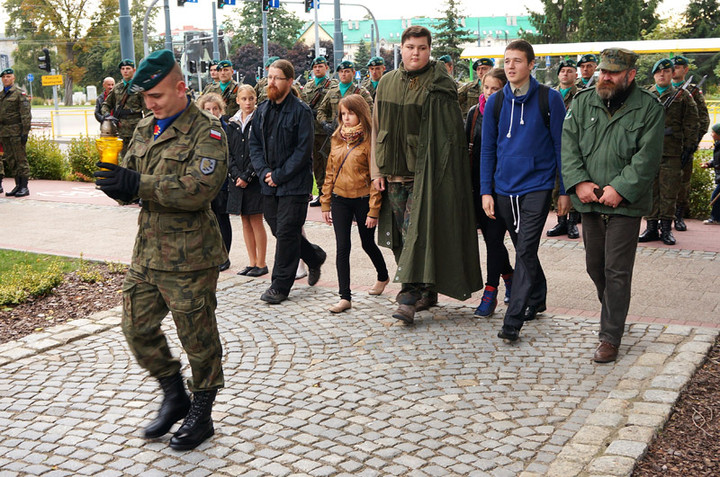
(519, 154)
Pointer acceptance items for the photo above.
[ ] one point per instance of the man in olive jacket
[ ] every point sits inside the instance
(420, 160)
(611, 149)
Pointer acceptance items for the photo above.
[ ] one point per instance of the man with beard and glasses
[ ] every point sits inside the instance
(281, 144)
(611, 148)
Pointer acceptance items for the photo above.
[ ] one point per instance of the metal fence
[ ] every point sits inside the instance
(66, 123)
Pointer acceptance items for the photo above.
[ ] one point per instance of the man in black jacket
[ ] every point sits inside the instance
(281, 153)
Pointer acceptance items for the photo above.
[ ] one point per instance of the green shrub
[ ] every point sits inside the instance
(701, 186)
(37, 101)
(82, 156)
(23, 281)
(45, 159)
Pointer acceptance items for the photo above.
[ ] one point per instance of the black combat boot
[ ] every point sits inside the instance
(174, 407)
(18, 181)
(23, 190)
(573, 220)
(666, 234)
(198, 425)
(561, 228)
(1, 189)
(679, 221)
(651, 232)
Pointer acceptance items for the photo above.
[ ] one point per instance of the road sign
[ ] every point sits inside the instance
(52, 80)
(357, 75)
(229, 2)
(323, 50)
(191, 1)
(274, 3)
(30, 77)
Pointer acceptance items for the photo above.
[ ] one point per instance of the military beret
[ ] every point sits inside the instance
(319, 60)
(445, 59)
(214, 62)
(152, 70)
(716, 128)
(588, 58)
(617, 59)
(663, 64)
(681, 60)
(7, 71)
(345, 65)
(271, 60)
(376, 61)
(483, 62)
(127, 62)
(224, 64)
(567, 64)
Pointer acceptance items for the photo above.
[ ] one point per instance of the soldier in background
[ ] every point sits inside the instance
(213, 76)
(226, 87)
(126, 106)
(678, 79)
(469, 93)
(261, 85)
(450, 67)
(15, 117)
(313, 93)
(681, 124)
(587, 65)
(376, 68)
(176, 271)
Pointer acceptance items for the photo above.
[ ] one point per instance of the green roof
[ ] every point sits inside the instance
(390, 30)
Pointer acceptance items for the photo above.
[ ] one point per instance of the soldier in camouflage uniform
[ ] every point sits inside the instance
(469, 93)
(262, 84)
(680, 140)
(313, 93)
(376, 68)
(587, 65)
(124, 105)
(226, 87)
(679, 73)
(15, 117)
(213, 76)
(176, 163)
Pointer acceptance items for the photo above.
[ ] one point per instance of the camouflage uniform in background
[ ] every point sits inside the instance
(128, 108)
(229, 95)
(261, 89)
(15, 118)
(368, 85)
(313, 94)
(703, 127)
(468, 95)
(178, 247)
(328, 109)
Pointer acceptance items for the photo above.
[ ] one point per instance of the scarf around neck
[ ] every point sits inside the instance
(352, 134)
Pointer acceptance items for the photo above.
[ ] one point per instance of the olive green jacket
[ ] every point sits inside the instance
(468, 95)
(181, 173)
(15, 115)
(622, 150)
(229, 96)
(681, 122)
(128, 114)
(313, 94)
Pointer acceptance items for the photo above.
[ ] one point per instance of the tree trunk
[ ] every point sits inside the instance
(70, 58)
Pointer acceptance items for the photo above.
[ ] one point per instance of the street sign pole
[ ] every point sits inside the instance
(30, 79)
(55, 100)
(265, 41)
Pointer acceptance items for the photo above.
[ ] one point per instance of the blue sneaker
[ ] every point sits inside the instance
(507, 278)
(488, 302)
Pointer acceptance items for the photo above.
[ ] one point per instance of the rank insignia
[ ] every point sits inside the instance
(207, 165)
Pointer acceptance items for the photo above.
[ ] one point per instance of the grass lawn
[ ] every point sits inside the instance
(37, 262)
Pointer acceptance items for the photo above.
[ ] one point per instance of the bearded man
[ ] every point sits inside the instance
(611, 149)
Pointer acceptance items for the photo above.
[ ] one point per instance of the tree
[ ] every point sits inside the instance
(362, 56)
(615, 20)
(450, 34)
(283, 26)
(703, 19)
(557, 23)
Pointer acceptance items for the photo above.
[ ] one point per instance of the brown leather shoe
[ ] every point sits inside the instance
(428, 300)
(405, 313)
(605, 353)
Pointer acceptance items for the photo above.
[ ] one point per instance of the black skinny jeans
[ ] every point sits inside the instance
(344, 210)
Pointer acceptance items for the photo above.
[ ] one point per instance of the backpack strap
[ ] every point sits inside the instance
(543, 100)
(499, 98)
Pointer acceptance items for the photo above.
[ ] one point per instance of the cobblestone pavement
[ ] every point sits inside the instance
(310, 393)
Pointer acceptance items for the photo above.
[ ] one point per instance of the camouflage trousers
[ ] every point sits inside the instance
(14, 158)
(148, 295)
(665, 189)
(321, 150)
(684, 192)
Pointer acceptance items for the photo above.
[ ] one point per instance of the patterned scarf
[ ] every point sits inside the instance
(352, 134)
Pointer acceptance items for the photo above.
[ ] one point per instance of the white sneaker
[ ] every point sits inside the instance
(301, 271)
(711, 222)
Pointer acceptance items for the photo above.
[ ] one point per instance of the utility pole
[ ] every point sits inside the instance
(168, 33)
(338, 43)
(127, 48)
(216, 48)
(265, 41)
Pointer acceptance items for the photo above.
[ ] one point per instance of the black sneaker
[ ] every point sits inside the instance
(273, 297)
(508, 335)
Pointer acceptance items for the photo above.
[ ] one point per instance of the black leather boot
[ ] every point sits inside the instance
(174, 407)
(679, 221)
(666, 234)
(23, 190)
(1, 189)
(572, 230)
(17, 188)
(651, 232)
(198, 425)
(561, 228)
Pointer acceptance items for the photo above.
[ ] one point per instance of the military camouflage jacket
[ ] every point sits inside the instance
(128, 113)
(207, 87)
(261, 89)
(15, 112)
(327, 111)
(367, 84)
(567, 99)
(703, 115)
(229, 96)
(681, 122)
(468, 95)
(182, 171)
(312, 93)
(581, 85)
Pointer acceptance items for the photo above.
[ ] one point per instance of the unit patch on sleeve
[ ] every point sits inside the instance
(207, 165)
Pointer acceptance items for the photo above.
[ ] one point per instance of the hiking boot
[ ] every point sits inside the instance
(488, 302)
(650, 234)
(666, 234)
(174, 407)
(405, 313)
(198, 425)
(561, 228)
(427, 300)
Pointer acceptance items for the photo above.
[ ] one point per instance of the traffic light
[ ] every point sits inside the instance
(181, 3)
(266, 5)
(220, 3)
(192, 66)
(309, 4)
(203, 66)
(44, 61)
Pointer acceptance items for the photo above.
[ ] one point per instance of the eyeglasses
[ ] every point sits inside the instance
(276, 78)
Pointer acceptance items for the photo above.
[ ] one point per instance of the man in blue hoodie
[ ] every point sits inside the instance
(520, 158)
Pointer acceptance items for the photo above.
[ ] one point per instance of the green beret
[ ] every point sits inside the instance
(445, 59)
(663, 64)
(567, 64)
(152, 70)
(345, 65)
(127, 62)
(224, 64)
(271, 60)
(483, 62)
(319, 60)
(214, 62)
(589, 58)
(7, 71)
(716, 128)
(617, 59)
(376, 61)
(681, 60)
